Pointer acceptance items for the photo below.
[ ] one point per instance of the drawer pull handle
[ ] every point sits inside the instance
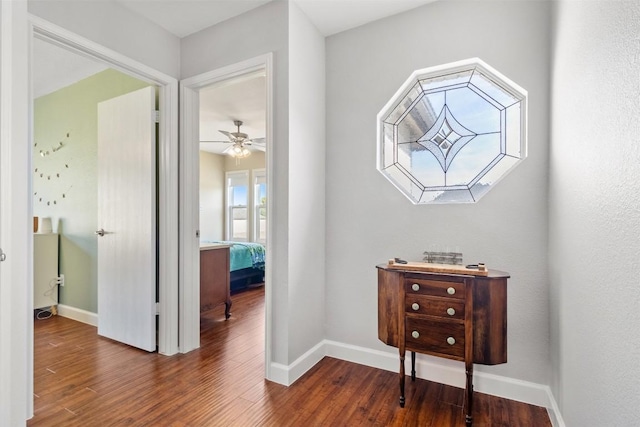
(451, 340)
(415, 306)
(415, 287)
(451, 311)
(451, 291)
(415, 334)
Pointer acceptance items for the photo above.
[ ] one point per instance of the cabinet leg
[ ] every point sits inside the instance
(468, 418)
(402, 380)
(413, 366)
(227, 309)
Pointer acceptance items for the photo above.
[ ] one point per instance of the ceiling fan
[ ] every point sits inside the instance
(240, 141)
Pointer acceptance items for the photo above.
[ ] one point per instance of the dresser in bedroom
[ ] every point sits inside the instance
(214, 277)
(454, 316)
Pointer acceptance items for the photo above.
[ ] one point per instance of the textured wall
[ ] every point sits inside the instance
(369, 221)
(74, 110)
(306, 184)
(595, 213)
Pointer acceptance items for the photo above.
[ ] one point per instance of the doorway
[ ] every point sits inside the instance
(167, 163)
(233, 190)
(69, 91)
(189, 208)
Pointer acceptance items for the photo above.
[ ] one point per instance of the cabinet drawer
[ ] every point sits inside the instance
(431, 336)
(447, 308)
(440, 288)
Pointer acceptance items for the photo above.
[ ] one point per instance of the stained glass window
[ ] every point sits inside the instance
(452, 132)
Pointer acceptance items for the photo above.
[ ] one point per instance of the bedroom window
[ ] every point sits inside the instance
(246, 206)
(260, 206)
(237, 206)
(451, 132)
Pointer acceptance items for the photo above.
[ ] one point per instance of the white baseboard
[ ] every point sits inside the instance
(78, 314)
(554, 412)
(429, 368)
(287, 375)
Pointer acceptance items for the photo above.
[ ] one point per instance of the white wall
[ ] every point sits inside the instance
(369, 221)
(211, 196)
(257, 160)
(111, 25)
(594, 213)
(257, 32)
(306, 184)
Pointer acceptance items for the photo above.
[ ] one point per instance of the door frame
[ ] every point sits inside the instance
(167, 166)
(16, 322)
(17, 29)
(189, 198)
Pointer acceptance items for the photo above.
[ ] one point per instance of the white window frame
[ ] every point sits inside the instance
(480, 166)
(229, 207)
(256, 175)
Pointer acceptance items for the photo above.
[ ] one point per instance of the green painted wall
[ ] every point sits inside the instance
(65, 180)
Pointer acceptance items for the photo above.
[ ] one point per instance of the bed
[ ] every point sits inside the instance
(246, 264)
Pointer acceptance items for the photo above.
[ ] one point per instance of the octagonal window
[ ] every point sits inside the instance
(452, 132)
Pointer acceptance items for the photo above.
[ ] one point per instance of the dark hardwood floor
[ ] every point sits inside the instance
(85, 380)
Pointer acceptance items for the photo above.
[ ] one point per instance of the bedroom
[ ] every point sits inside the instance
(67, 91)
(232, 185)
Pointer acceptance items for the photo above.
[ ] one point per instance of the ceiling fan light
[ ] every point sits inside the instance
(239, 151)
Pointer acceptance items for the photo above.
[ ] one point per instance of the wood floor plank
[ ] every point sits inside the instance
(85, 380)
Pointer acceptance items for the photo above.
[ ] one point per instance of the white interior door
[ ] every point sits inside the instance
(127, 219)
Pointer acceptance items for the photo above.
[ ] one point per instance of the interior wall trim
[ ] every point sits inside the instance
(428, 368)
(287, 375)
(16, 272)
(78, 314)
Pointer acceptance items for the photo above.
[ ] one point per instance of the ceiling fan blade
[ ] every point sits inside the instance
(257, 147)
(217, 142)
(227, 134)
(256, 141)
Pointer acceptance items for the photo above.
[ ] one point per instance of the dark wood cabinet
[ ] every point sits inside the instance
(453, 316)
(214, 278)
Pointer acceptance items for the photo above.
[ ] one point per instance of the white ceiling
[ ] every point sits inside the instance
(184, 17)
(55, 68)
(334, 16)
(242, 99)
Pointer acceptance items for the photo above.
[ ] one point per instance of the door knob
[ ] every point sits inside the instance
(100, 232)
(3, 256)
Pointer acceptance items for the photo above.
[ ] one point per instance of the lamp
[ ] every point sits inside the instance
(239, 151)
